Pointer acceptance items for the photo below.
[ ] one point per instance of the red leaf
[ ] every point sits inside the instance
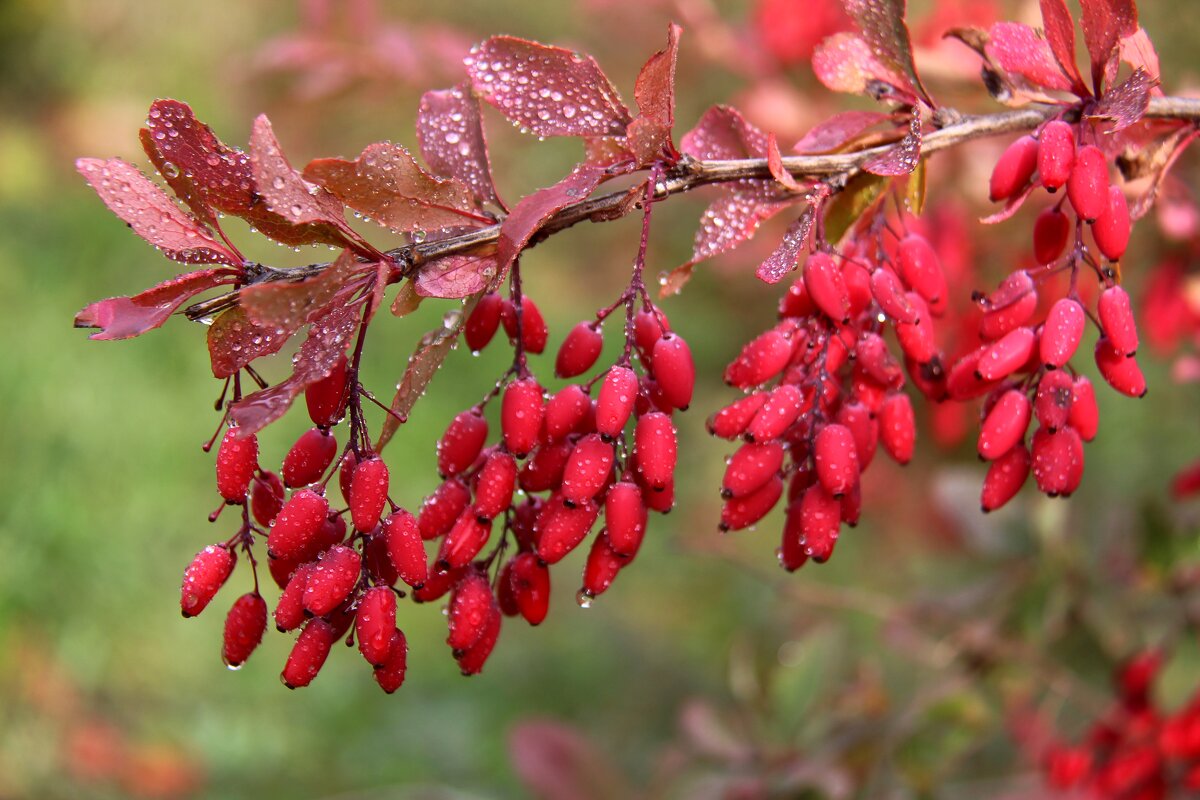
(549, 91)
(152, 214)
(1060, 33)
(234, 341)
(723, 133)
(787, 255)
(126, 317)
(1138, 52)
(534, 210)
(883, 27)
(839, 129)
(284, 190)
(655, 95)
(904, 157)
(1127, 103)
(386, 184)
(328, 338)
(289, 304)
(1019, 50)
(456, 276)
(1105, 23)
(608, 151)
(733, 219)
(775, 165)
(845, 63)
(452, 141)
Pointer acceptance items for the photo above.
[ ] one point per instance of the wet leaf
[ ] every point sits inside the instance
(407, 300)
(126, 317)
(283, 189)
(723, 133)
(152, 214)
(787, 256)
(903, 157)
(1125, 104)
(456, 276)
(775, 165)
(883, 28)
(845, 63)
(234, 341)
(734, 219)
(1019, 50)
(830, 135)
(290, 304)
(863, 190)
(650, 132)
(1011, 207)
(1138, 52)
(1060, 33)
(1105, 23)
(548, 91)
(452, 141)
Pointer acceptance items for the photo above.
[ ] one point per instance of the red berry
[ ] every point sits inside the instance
(873, 356)
(266, 498)
(472, 660)
(963, 382)
(1010, 306)
(294, 536)
(836, 457)
(660, 500)
(505, 596)
(1056, 154)
(390, 674)
(750, 468)
(625, 517)
(565, 412)
(783, 407)
(442, 508)
(1120, 372)
(533, 326)
(326, 398)
(579, 350)
(916, 339)
(732, 421)
(308, 654)
(368, 493)
(346, 472)
(244, 627)
(560, 528)
(600, 570)
(309, 457)
(1052, 404)
(1085, 414)
(674, 370)
(898, 427)
(461, 443)
(237, 460)
(1062, 332)
(618, 393)
(761, 359)
(405, 547)
(791, 548)
(820, 523)
(796, 302)
(858, 285)
(1116, 320)
(864, 427)
(922, 269)
(471, 606)
(1005, 425)
(481, 325)
(649, 325)
(890, 295)
(587, 469)
(742, 512)
(1057, 461)
(1006, 355)
(529, 580)
(1005, 477)
(654, 443)
(1112, 227)
(464, 541)
(544, 469)
(332, 580)
(377, 562)
(521, 416)
(204, 577)
(439, 582)
(1014, 169)
(1087, 188)
(289, 611)
(827, 287)
(374, 623)
(495, 484)
(1051, 230)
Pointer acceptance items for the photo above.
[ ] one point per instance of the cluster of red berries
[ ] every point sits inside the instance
(1136, 751)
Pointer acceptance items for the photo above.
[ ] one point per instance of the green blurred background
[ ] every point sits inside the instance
(704, 669)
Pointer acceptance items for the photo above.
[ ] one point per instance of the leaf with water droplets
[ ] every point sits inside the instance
(1060, 33)
(455, 276)
(883, 27)
(650, 132)
(1105, 23)
(787, 255)
(840, 129)
(424, 363)
(152, 214)
(734, 218)
(775, 165)
(234, 341)
(290, 304)
(903, 157)
(328, 338)
(284, 190)
(407, 300)
(388, 185)
(452, 141)
(549, 91)
(1138, 52)
(844, 63)
(1019, 50)
(126, 317)
(723, 133)
(1125, 104)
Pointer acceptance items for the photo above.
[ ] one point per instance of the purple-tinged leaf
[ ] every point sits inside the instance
(833, 133)
(1011, 207)
(152, 214)
(1125, 104)
(733, 219)
(787, 256)
(1019, 50)
(775, 165)
(845, 63)
(1138, 52)
(607, 151)
(234, 341)
(548, 91)
(903, 157)
(328, 338)
(1060, 33)
(388, 185)
(883, 27)
(284, 190)
(456, 276)
(723, 133)
(650, 133)
(536, 209)
(126, 317)
(287, 305)
(1105, 23)
(452, 141)
(553, 760)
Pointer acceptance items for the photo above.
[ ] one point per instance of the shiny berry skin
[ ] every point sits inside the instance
(1062, 332)
(483, 322)
(874, 358)
(377, 562)
(1056, 154)
(521, 416)
(529, 580)
(439, 583)
(732, 421)
(1005, 477)
(827, 286)
(471, 661)
(916, 339)
(820, 523)
(742, 512)
(294, 534)
(565, 412)
(495, 484)
(864, 426)
(1006, 355)
(534, 334)
(1111, 229)
(649, 324)
(374, 622)
(654, 443)
(464, 541)
(308, 654)
(266, 498)
(614, 405)
(898, 427)
(462, 442)
(470, 609)
(204, 577)
(922, 269)
(1051, 231)
(1119, 371)
(309, 457)
(625, 517)
(836, 457)
(326, 398)
(244, 628)
(579, 350)
(1085, 414)
(783, 407)
(1052, 403)
(560, 528)
(1116, 320)
(890, 295)
(390, 674)
(1087, 188)
(1005, 425)
(1013, 169)
(750, 468)
(405, 547)
(442, 508)
(545, 467)
(368, 493)
(763, 358)
(587, 469)
(1010, 306)
(237, 459)
(1057, 461)
(289, 610)
(332, 580)
(674, 370)
(601, 568)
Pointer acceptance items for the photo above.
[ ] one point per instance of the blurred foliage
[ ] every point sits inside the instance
(706, 669)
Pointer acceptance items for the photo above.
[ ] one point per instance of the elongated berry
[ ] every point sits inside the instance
(464, 541)
(405, 547)
(534, 334)
(368, 493)
(1051, 230)
(495, 484)
(783, 407)
(601, 568)
(791, 547)
(674, 369)
(820, 522)
(374, 622)
(204, 577)
(763, 358)
(442, 508)
(560, 528)
(471, 604)
(890, 295)
(1112, 227)
(1052, 403)
(660, 500)
(1006, 355)
(529, 580)
(1119, 371)
(1116, 320)
(1085, 414)
(588, 468)
(545, 467)
(1062, 332)
(461, 443)
(308, 654)
(649, 324)
(916, 339)
(625, 517)
(377, 562)
(1005, 424)
(1013, 169)
(836, 457)
(751, 467)
(579, 350)
(654, 442)
(565, 411)
(237, 459)
(294, 534)
(1011, 305)
(289, 610)
(614, 405)
(266, 497)
(326, 399)
(440, 581)
(1057, 461)
(1087, 188)
(873, 356)
(827, 287)
(898, 427)
(244, 628)
(1005, 477)
(521, 416)
(309, 457)
(963, 381)
(864, 427)
(858, 286)
(742, 512)
(1056, 154)
(483, 322)
(332, 580)
(922, 269)
(732, 421)
(796, 302)
(471, 661)
(390, 674)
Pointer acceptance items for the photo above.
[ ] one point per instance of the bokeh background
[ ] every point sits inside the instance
(892, 671)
